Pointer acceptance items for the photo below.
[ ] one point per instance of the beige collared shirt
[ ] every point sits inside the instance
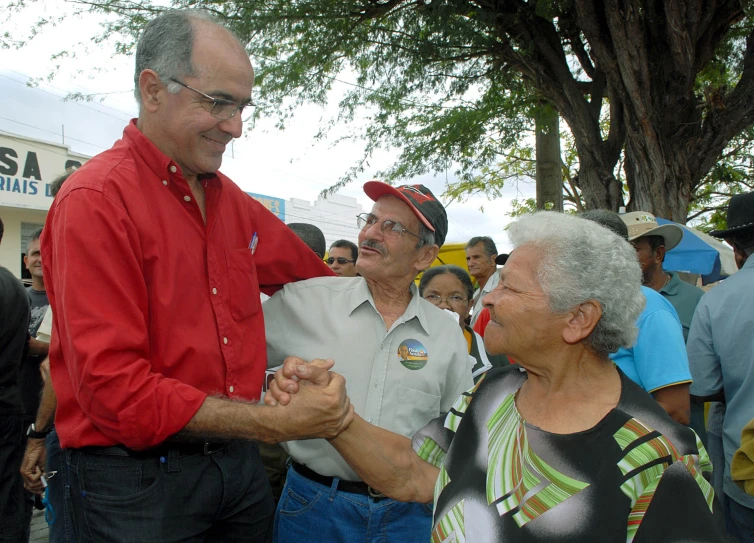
(398, 379)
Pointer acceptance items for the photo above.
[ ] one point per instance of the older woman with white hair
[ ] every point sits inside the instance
(563, 447)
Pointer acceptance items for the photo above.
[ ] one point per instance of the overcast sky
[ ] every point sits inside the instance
(264, 160)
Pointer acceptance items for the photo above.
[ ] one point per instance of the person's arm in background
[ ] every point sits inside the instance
(33, 464)
(703, 361)
(662, 364)
(281, 257)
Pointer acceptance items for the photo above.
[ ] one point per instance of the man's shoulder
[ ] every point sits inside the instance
(689, 290)
(11, 283)
(655, 302)
(323, 286)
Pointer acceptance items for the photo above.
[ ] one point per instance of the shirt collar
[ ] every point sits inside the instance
(157, 161)
(672, 287)
(361, 294)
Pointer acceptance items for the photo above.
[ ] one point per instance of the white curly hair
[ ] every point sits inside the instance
(579, 261)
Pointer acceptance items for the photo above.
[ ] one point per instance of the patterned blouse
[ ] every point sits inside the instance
(637, 476)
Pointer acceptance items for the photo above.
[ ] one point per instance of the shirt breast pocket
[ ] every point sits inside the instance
(244, 284)
(415, 410)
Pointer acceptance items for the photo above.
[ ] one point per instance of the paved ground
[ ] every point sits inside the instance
(38, 528)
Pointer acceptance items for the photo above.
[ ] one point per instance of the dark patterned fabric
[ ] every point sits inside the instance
(637, 476)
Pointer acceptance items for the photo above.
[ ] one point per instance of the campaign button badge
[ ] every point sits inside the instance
(412, 354)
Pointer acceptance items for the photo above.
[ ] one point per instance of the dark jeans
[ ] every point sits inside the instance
(224, 496)
(15, 511)
(739, 521)
(58, 492)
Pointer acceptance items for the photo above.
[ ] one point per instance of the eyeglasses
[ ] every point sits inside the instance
(221, 108)
(388, 228)
(450, 300)
(341, 260)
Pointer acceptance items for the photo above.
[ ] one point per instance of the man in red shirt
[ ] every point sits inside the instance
(158, 354)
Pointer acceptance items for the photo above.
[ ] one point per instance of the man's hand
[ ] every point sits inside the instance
(315, 406)
(287, 378)
(32, 467)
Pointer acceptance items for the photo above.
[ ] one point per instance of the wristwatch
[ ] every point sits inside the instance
(32, 432)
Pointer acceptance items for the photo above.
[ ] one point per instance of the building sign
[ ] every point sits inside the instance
(27, 167)
(276, 205)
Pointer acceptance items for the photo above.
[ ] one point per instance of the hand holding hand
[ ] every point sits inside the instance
(316, 404)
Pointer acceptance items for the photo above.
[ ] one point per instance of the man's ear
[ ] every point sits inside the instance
(427, 255)
(660, 254)
(151, 89)
(581, 321)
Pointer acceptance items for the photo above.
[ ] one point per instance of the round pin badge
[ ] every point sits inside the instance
(412, 354)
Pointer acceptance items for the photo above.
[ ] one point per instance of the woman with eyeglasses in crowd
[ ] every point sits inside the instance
(450, 287)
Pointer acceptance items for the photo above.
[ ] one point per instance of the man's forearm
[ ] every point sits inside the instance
(314, 412)
(47, 405)
(37, 347)
(386, 462)
(676, 401)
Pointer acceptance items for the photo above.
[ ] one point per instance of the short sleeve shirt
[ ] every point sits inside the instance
(398, 379)
(658, 357)
(636, 476)
(721, 353)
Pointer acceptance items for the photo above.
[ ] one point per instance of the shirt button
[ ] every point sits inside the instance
(231, 389)
(164, 182)
(225, 340)
(369, 421)
(187, 198)
(173, 169)
(214, 291)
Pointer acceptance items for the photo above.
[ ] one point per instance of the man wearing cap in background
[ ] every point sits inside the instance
(721, 355)
(404, 361)
(651, 242)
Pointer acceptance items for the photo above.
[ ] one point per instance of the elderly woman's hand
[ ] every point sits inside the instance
(288, 378)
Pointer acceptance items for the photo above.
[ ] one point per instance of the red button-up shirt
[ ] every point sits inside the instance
(154, 310)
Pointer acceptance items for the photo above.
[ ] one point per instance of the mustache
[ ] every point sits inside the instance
(371, 244)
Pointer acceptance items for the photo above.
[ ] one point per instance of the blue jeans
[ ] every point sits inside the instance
(58, 491)
(311, 512)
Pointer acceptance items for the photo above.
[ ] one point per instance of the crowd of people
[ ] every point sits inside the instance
(578, 392)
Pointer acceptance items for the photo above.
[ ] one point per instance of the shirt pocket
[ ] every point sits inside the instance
(415, 410)
(244, 284)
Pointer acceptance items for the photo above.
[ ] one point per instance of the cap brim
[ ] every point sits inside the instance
(671, 233)
(500, 260)
(377, 189)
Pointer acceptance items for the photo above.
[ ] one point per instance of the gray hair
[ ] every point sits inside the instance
(167, 44)
(487, 243)
(580, 261)
(427, 237)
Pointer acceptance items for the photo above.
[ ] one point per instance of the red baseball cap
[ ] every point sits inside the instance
(422, 202)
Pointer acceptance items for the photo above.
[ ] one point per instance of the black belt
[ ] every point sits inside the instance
(205, 448)
(353, 487)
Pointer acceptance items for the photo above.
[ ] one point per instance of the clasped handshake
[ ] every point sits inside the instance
(313, 396)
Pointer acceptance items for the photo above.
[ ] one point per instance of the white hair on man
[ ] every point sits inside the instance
(579, 261)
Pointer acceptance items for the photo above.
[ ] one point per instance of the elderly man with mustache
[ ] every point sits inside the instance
(404, 360)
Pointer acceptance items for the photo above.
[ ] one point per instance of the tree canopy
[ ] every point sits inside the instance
(653, 91)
